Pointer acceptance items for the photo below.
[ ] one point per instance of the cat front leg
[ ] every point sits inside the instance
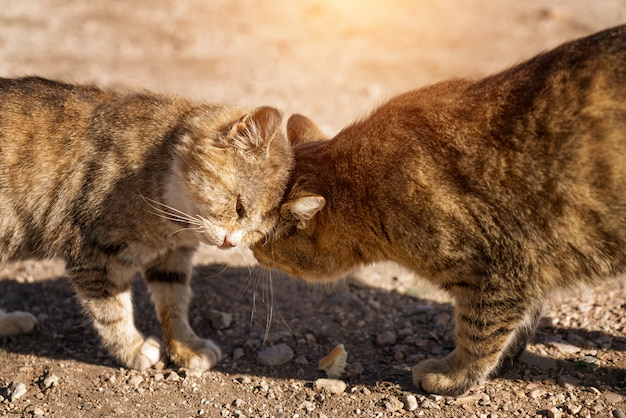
(487, 332)
(105, 293)
(168, 281)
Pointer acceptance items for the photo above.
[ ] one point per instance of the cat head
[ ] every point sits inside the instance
(309, 240)
(230, 172)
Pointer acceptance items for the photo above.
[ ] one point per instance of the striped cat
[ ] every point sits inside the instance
(116, 183)
(498, 190)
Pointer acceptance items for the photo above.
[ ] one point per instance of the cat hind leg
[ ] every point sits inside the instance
(487, 332)
(107, 299)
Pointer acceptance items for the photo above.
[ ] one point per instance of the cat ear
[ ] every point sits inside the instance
(301, 129)
(256, 129)
(303, 208)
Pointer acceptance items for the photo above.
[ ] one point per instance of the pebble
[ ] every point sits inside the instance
(38, 412)
(618, 413)
(354, 369)
(393, 404)
(135, 381)
(301, 360)
(220, 320)
(554, 413)
(330, 385)
(428, 404)
(172, 376)
(564, 348)
(50, 381)
(386, 338)
(410, 402)
(238, 353)
(16, 390)
(275, 355)
(574, 409)
(590, 360)
(613, 397)
(307, 405)
(468, 399)
(534, 360)
(568, 382)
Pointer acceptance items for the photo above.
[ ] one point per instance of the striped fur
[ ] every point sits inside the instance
(498, 190)
(121, 182)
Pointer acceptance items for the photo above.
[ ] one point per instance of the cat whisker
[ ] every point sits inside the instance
(195, 229)
(169, 212)
(274, 303)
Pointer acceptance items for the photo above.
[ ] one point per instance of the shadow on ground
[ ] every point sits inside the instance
(310, 319)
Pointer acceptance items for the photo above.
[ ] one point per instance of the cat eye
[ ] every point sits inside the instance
(241, 211)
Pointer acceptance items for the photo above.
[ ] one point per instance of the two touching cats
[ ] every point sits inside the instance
(497, 190)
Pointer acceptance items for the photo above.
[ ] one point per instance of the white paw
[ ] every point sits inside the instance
(148, 354)
(17, 322)
(204, 357)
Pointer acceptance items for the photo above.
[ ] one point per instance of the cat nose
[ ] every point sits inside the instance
(227, 243)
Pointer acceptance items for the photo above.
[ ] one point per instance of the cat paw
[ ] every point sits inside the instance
(439, 376)
(198, 357)
(149, 354)
(18, 322)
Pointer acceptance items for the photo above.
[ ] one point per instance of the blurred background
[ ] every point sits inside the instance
(331, 60)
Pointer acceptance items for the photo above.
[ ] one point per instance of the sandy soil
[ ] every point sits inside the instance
(332, 61)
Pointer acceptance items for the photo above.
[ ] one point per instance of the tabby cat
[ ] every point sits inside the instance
(121, 182)
(498, 190)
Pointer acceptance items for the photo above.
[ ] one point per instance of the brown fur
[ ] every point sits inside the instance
(498, 190)
(117, 183)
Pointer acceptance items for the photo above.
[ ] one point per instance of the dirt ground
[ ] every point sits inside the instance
(333, 61)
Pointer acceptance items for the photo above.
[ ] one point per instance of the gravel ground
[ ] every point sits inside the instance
(332, 61)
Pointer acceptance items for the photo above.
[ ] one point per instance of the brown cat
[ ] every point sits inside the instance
(498, 190)
(117, 183)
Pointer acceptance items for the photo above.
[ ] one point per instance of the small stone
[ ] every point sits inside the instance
(536, 393)
(38, 412)
(386, 338)
(428, 404)
(88, 406)
(618, 413)
(16, 390)
(172, 377)
(564, 348)
(554, 413)
(50, 381)
(238, 353)
(158, 377)
(568, 382)
(410, 402)
(613, 397)
(275, 355)
(307, 405)
(220, 320)
(330, 385)
(244, 380)
(393, 404)
(468, 399)
(301, 360)
(540, 362)
(588, 360)
(135, 381)
(354, 369)
(573, 409)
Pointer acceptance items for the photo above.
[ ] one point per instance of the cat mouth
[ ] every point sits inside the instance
(226, 244)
